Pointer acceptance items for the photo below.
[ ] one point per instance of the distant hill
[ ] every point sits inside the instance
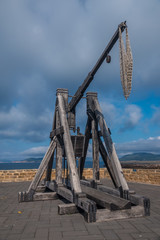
(29, 160)
(141, 157)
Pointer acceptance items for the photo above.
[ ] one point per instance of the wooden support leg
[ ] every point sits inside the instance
(75, 182)
(49, 168)
(107, 162)
(28, 196)
(50, 164)
(95, 150)
(87, 137)
(110, 147)
(59, 152)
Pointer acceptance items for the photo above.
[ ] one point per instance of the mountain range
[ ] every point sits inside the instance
(141, 157)
(128, 157)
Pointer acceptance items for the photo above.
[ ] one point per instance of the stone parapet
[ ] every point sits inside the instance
(151, 176)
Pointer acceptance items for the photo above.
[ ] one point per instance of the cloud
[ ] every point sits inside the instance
(19, 124)
(131, 117)
(34, 152)
(156, 116)
(51, 44)
(150, 145)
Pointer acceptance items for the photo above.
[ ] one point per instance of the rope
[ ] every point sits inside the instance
(126, 64)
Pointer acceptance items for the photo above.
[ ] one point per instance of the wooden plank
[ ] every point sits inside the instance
(95, 150)
(108, 190)
(42, 167)
(50, 164)
(51, 185)
(141, 201)
(105, 214)
(107, 162)
(106, 200)
(56, 132)
(59, 154)
(78, 145)
(87, 137)
(49, 168)
(41, 189)
(45, 196)
(75, 183)
(65, 193)
(69, 208)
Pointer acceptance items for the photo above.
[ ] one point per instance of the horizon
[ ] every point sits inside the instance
(45, 46)
(87, 158)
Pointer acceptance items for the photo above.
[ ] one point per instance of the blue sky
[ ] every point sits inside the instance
(45, 45)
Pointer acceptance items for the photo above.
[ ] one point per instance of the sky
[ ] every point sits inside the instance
(45, 45)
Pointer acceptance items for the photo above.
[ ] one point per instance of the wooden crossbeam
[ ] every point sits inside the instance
(56, 132)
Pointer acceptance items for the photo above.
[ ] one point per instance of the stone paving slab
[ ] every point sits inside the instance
(40, 220)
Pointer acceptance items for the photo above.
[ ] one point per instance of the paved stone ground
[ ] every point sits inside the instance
(39, 220)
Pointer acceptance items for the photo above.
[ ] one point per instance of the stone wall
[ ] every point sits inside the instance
(151, 176)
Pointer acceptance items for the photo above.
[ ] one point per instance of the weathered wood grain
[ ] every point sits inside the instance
(69, 208)
(75, 182)
(110, 146)
(106, 200)
(45, 196)
(95, 150)
(86, 142)
(42, 166)
(107, 162)
(105, 214)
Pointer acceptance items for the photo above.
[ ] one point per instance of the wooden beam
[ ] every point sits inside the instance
(56, 132)
(95, 150)
(75, 182)
(49, 168)
(106, 200)
(42, 167)
(118, 172)
(105, 214)
(69, 208)
(87, 137)
(59, 154)
(107, 162)
(59, 149)
(45, 196)
(108, 190)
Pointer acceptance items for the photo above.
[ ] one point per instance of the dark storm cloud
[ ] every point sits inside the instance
(50, 44)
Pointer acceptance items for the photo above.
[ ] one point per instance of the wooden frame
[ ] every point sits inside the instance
(83, 194)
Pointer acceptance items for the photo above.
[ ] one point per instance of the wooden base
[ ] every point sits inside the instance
(69, 208)
(45, 196)
(104, 214)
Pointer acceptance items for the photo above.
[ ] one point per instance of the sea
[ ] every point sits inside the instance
(14, 166)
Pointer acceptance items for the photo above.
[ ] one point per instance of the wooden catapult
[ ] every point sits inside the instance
(96, 201)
